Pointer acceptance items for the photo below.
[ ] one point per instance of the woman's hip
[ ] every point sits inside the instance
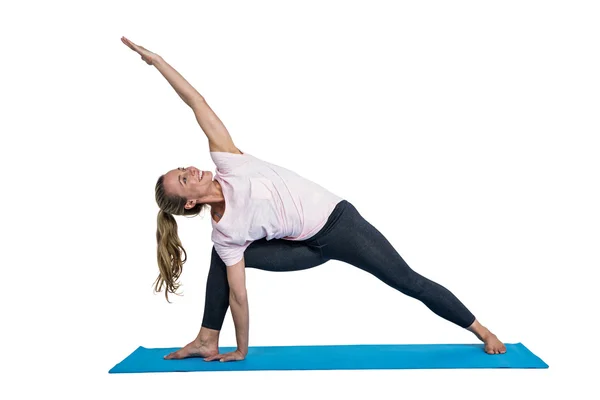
(348, 236)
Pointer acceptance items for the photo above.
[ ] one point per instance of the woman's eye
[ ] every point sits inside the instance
(184, 180)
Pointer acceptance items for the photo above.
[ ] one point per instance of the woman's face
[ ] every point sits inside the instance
(190, 183)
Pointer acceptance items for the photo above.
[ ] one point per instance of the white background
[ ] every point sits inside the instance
(464, 131)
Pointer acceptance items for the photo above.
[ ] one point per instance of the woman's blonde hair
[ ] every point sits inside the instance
(170, 253)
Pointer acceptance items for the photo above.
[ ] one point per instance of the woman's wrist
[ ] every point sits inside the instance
(156, 59)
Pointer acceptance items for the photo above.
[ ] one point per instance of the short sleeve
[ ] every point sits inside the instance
(231, 254)
(228, 162)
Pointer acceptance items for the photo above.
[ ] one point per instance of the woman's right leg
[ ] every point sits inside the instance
(277, 255)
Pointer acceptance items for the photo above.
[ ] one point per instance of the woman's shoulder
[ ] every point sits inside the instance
(226, 162)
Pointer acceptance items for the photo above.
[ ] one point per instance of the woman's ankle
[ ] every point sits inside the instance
(208, 336)
(479, 330)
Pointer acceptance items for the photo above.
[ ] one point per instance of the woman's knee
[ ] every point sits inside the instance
(216, 263)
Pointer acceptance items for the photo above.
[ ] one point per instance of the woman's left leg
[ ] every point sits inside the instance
(354, 240)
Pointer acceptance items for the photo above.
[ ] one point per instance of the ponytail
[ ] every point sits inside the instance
(169, 254)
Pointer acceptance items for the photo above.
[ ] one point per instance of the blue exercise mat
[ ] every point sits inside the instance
(337, 357)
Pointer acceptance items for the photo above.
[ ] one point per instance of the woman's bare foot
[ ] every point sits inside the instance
(194, 349)
(492, 344)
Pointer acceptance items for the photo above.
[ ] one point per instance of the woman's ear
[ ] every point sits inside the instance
(190, 204)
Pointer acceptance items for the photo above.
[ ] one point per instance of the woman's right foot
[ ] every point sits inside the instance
(194, 349)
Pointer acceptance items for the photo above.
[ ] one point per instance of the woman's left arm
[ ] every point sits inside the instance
(183, 88)
(218, 136)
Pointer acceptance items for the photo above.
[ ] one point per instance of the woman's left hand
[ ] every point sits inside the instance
(146, 54)
(233, 356)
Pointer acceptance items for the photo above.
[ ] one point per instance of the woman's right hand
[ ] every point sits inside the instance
(146, 54)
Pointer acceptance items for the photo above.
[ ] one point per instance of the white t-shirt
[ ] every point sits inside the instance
(265, 200)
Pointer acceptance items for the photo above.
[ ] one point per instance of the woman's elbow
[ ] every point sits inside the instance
(240, 296)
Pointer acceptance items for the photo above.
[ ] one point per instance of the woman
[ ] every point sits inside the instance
(267, 217)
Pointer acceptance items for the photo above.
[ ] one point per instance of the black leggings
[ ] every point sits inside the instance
(346, 237)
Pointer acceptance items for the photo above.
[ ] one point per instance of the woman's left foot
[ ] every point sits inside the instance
(492, 344)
